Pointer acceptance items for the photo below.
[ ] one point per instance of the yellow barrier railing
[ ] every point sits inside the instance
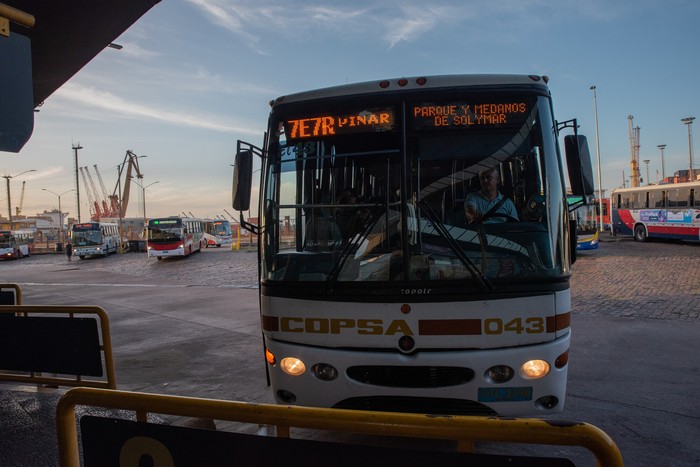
(15, 289)
(104, 346)
(530, 431)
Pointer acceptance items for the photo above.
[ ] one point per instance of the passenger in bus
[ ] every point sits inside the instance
(349, 216)
(489, 205)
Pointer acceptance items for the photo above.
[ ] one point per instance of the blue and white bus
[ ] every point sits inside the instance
(94, 239)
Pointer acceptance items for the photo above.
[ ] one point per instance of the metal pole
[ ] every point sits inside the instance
(646, 162)
(597, 145)
(689, 121)
(663, 168)
(9, 204)
(77, 182)
(119, 184)
(60, 221)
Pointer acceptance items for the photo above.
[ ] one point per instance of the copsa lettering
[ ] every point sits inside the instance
(373, 327)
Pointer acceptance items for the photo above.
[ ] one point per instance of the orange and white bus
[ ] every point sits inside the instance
(387, 298)
(670, 211)
(175, 236)
(15, 244)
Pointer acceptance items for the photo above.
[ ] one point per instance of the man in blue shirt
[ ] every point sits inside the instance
(489, 205)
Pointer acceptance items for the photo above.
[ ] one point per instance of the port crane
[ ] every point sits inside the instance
(131, 163)
(634, 150)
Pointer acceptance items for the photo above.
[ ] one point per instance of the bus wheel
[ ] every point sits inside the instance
(640, 233)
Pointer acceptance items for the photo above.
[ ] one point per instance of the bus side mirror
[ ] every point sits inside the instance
(242, 179)
(578, 161)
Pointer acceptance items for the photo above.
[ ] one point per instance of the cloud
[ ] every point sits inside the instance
(232, 17)
(93, 101)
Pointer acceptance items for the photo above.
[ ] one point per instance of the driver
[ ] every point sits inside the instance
(489, 205)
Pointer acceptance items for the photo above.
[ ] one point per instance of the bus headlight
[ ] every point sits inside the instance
(293, 366)
(534, 369)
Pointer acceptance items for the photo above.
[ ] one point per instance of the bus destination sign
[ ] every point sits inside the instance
(337, 124)
(462, 114)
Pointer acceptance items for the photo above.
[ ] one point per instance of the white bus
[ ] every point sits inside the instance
(15, 244)
(217, 232)
(175, 236)
(386, 298)
(670, 211)
(94, 239)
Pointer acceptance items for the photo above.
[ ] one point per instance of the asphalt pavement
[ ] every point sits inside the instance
(191, 327)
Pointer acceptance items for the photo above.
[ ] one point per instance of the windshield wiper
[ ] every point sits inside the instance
(355, 242)
(468, 263)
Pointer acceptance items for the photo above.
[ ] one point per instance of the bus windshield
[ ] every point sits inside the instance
(87, 237)
(222, 228)
(164, 230)
(7, 240)
(383, 190)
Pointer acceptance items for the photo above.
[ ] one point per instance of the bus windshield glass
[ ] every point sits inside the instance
(88, 235)
(440, 187)
(6, 240)
(222, 228)
(164, 230)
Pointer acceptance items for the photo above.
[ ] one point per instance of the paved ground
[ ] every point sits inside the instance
(190, 327)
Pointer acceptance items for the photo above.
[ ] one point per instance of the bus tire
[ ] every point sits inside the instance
(640, 233)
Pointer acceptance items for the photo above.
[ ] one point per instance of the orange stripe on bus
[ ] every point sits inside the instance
(270, 323)
(449, 327)
(558, 322)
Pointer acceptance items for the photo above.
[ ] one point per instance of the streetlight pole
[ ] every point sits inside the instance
(61, 236)
(143, 197)
(597, 145)
(646, 162)
(77, 182)
(9, 202)
(663, 168)
(689, 121)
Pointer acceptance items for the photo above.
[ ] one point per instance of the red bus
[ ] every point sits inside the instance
(175, 236)
(14, 244)
(669, 211)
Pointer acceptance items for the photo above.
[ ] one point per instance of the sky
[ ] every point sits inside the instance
(194, 76)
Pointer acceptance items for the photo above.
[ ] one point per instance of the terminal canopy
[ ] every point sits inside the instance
(64, 37)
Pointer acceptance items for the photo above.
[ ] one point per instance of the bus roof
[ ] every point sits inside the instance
(417, 82)
(663, 186)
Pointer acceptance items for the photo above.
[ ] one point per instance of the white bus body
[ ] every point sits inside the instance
(94, 239)
(175, 236)
(375, 291)
(670, 211)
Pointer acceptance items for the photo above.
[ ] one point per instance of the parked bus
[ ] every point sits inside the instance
(94, 239)
(175, 236)
(586, 218)
(15, 244)
(218, 232)
(391, 300)
(669, 211)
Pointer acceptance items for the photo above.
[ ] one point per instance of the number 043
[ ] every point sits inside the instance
(516, 325)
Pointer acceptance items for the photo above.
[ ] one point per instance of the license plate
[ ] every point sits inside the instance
(517, 394)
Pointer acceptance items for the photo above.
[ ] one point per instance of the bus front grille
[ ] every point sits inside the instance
(410, 376)
(425, 405)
